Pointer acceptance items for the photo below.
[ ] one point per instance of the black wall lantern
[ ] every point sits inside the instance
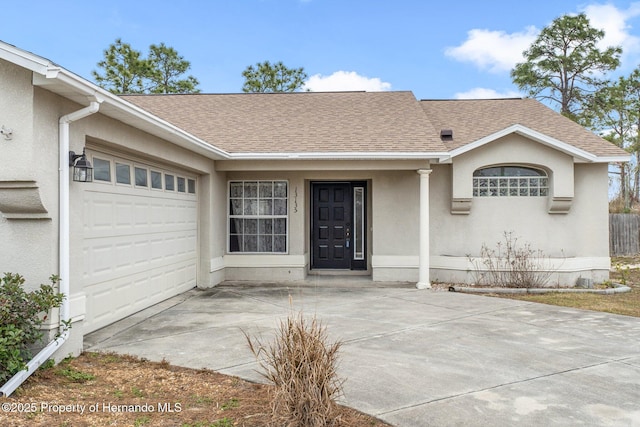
(82, 169)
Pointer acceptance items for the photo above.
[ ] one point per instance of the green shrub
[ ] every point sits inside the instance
(302, 366)
(21, 315)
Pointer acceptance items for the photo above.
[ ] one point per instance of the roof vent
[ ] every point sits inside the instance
(446, 134)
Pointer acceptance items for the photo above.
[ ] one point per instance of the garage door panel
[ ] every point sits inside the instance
(138, 226)
(130, 294)
(102, 210)
(123, 257)
(139, 248)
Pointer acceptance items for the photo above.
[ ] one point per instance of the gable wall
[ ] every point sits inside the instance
(514, 149)
(578, 238)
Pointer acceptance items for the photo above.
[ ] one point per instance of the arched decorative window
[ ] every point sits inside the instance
(510, 181)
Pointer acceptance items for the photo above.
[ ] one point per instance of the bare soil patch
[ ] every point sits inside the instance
(106, 389)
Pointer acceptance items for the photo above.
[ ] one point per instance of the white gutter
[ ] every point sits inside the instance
(337, 155)
(64, 252)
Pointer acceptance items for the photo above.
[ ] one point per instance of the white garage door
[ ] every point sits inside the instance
(140, 237)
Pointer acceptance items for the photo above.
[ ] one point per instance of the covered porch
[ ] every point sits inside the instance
(364, 218)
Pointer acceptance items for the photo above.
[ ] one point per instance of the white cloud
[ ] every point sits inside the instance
(499, 51)
(345, 81)
(615, 24)
(496, 51)
(484, 93)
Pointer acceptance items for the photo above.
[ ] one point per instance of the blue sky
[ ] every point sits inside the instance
(444, 49)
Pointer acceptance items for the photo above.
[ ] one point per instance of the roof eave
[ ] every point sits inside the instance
(438, 156)
(613, 159)
(579, 155)
(62, 82)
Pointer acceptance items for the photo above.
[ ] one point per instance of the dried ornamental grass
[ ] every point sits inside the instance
(302, 365)
(512, 265)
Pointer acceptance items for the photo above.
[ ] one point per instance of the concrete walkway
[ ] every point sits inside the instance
(416, 358)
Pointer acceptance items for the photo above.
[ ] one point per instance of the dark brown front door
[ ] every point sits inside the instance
(332, 222)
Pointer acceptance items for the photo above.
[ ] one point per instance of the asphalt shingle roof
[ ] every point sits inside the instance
(300, 122)
(472, 120)
(353, 122)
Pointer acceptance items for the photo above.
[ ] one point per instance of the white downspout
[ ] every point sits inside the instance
(64, 251)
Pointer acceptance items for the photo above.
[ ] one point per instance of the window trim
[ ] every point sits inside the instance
(128, 165)
(173, 180)
(151, 172)
(508, 185)
(135, 165)
(181, 184)
(257, 216)
(135, 176)
(100, 159)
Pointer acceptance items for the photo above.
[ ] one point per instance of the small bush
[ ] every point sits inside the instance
(511, 265)
(21, 315)
(302, 366)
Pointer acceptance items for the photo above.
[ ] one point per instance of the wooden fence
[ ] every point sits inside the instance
(624, 234)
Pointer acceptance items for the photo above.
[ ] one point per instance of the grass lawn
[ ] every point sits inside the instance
(110, 386)
(627, 303)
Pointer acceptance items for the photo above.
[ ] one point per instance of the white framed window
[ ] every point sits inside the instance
(358, 222)
(141, 177)
(181, 185)
(156, 180)
(258, 216)
(169, 182)
(123, 173)
(510, 181)
(101, 170)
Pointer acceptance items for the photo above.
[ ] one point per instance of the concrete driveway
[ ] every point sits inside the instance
(416, 358)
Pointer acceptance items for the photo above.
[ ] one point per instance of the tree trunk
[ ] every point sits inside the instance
(636, 179)
(624, 187)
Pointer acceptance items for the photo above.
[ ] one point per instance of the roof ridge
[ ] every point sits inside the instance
(267, 93)
(475, 99)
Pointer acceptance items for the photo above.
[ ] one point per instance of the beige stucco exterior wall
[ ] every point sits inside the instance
(577, 241)
(514, 149)
(28, 181)
(391, 232)
(394, 217)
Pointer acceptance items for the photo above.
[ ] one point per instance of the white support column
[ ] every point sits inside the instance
(423, 269)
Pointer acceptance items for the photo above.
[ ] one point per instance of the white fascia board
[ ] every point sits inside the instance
(80, 86)
(340, 156)
(23, 58)
(577, 153)
(69, 85)
(614, 159)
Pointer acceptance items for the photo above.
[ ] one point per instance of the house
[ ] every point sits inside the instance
(193, 190)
